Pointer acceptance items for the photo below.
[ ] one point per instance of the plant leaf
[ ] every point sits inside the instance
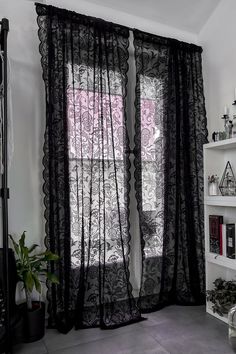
(28, 281)
(49, 256)
(32, 248)
(15, 245)
(52, 277)
(22, 240)
(25, 251)
(36, 283)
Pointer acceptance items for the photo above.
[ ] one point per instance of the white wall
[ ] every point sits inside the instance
(25, 176)
(219, 62)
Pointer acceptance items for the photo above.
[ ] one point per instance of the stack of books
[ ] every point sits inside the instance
(222, 237)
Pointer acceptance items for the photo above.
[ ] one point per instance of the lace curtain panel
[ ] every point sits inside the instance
(169, 135)
(86, 169)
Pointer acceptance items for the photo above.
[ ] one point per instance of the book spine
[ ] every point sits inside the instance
(230, 240)
(221, 239)
(214, 233)
(224, 253)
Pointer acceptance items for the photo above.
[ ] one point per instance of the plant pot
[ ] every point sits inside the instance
(34, 322)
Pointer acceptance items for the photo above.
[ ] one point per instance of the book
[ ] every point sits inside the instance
(221, 239)
(224, 253)
(214, 233)
(230, 241)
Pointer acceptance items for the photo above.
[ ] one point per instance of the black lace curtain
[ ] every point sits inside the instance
(170, 133)
(86, 169)
(86, 160)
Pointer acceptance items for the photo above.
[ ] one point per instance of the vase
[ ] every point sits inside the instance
(213, 188)
(232, 327)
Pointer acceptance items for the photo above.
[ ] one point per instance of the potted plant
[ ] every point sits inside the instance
(223, 296)
(31, 270)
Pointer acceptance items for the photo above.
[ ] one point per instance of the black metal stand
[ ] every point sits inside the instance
(4, 189)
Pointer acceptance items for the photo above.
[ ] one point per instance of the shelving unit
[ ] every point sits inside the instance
(216, 156)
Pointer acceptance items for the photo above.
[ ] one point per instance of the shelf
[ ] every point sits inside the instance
(219, 200)
(221, 260)
(222, 144)
(216, 156)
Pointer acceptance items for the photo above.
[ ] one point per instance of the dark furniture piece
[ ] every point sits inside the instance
(4, 192)
(15, 314)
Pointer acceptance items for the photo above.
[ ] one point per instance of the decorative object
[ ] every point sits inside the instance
(234, 103)
(232, 327)
(216, 136)
(234, 126)
(229, 129)
(222, 135)
(31, 270)
(222, 297)
(226, 118)
(228, 183)
(213, 181)
(228, 124)
(226, 110)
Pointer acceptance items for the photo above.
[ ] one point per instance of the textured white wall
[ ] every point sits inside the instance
(219, 62)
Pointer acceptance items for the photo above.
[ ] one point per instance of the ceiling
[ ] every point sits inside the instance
(188, 15)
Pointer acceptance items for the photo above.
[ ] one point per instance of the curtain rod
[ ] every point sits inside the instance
(158, 38)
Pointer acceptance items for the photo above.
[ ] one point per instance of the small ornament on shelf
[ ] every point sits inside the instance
(213, 181)
(229, 129)
(234, 103)
(226, 119)
(228, 183)
(228, 124)
(234, 126)
(216, 136)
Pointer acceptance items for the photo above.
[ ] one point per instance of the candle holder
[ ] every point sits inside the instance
(226, 118)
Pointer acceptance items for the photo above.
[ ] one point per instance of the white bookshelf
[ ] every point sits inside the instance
(220, 201)
(221, 260)
(216, 155)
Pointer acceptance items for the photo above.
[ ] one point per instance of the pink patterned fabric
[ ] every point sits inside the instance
(148, 129)
(95, 126)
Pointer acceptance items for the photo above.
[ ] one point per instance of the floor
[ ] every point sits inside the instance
(173, 330)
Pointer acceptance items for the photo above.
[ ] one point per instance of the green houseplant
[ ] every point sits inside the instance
(32, 270)
(223, 296)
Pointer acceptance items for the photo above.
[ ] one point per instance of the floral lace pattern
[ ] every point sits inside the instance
(171, 130)
(86, 169)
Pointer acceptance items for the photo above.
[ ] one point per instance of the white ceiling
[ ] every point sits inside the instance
(188, 15)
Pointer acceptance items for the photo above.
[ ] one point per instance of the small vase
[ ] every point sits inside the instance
(232, 327)
(213, 188)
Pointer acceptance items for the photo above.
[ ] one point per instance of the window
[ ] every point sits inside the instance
(96, 140)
